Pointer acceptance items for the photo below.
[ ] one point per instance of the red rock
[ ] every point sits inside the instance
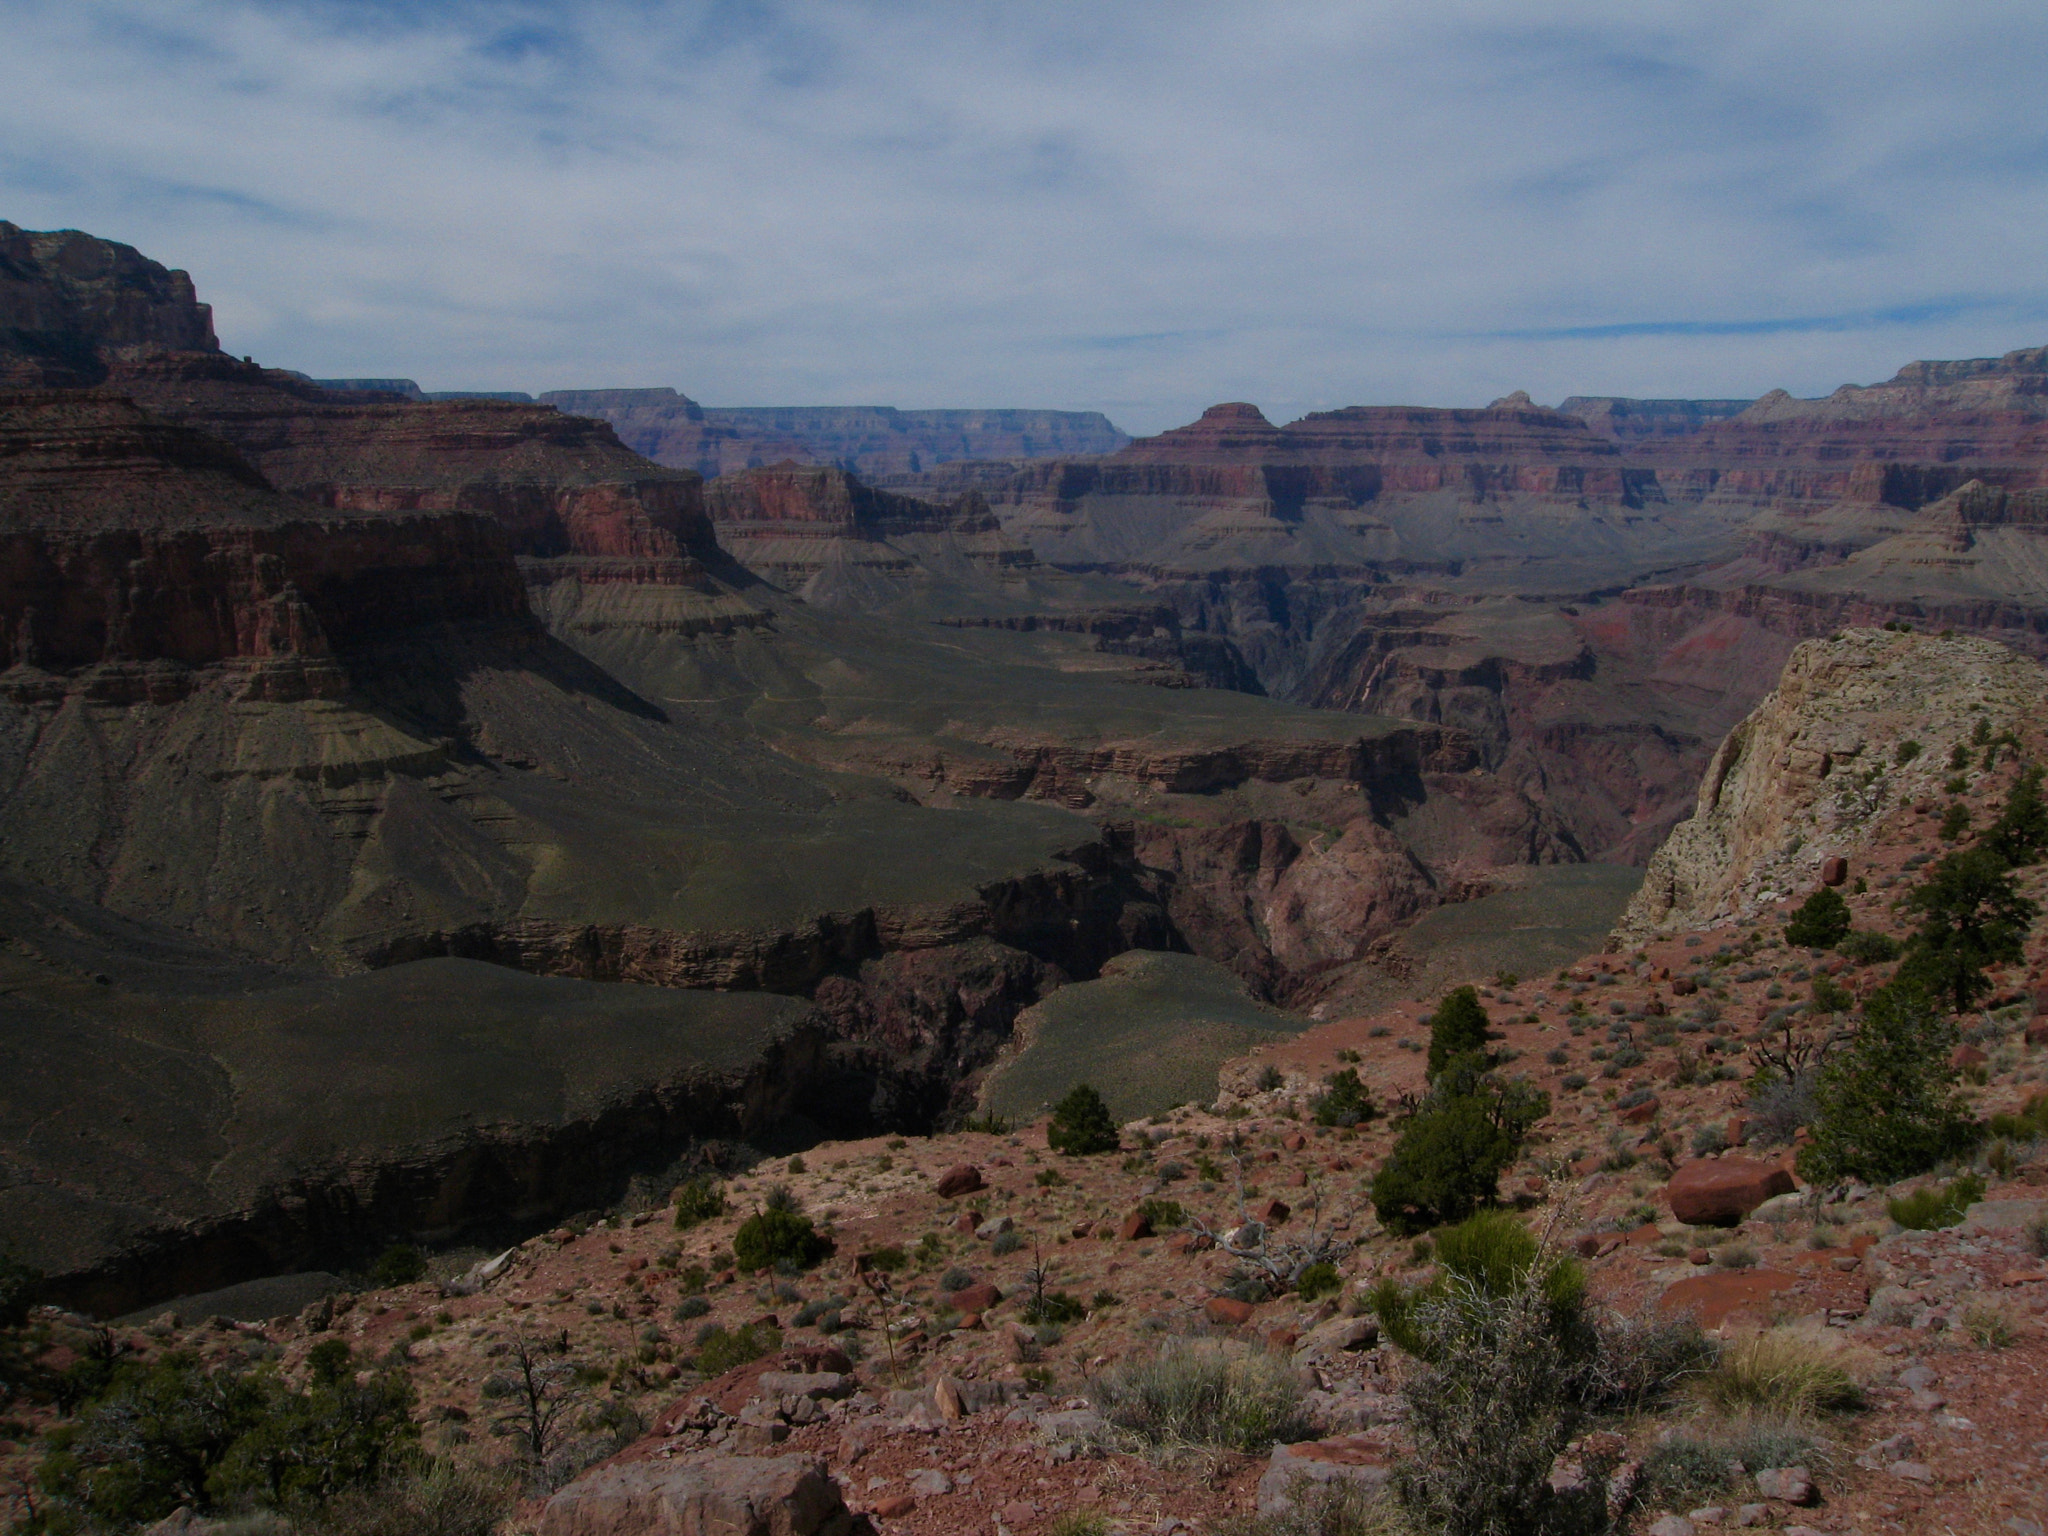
(960, 1179)
(1136, 1225)
(1083, 1228)
(893, 1506)
(790, 1495)
(1713, 1297)
(1282, 1340)
(1273, 1213)
(1834, 871)
(967, 1221)
(2023, 1276)
(1228, 1311)
(1721, 1191)
(1964, 1056)
(1018, 1513)
(1699, 1256)
(1586, 1244)
(974, 1298)
(1300, 1179)
(1737, 1130)
(2037, 1032)
(1294, 1141)
(1190, 1242)
(1637, 1114)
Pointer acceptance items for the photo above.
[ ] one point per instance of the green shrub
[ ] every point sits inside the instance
(720, 1349)
(1450, 1155)
(1692, 1465)
(1907, 750)
(1886, 1107)
(1868, 948)
(690, 1307)
(1080, 1124)
(2030, 1124)
(1318, 1280)
(1821, 921)
(1639, 1357)
(437, 1499)
(1053, 1307)
(1485, 1257)
(1165, 1215)
(400, 1264)
(172, 1432)
(774, 1237)
(1931, 1208)
(1200, 1394)
(888, 1260)
(1955, 821)
(698, 1201)
(1005, 1243)
(1456, 1029)
(1830, 996)
(1343, 1101)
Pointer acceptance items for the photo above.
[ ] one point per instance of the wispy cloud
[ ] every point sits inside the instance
(1140, 206)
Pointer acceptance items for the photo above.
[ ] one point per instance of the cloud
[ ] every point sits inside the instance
(1139, 207)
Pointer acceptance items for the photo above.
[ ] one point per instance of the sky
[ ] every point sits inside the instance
(1117, 205)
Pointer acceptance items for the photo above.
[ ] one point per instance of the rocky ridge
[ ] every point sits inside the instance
(1859, 722)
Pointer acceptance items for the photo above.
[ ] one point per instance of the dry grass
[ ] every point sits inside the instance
(1780, 1373)
(1201, 1395)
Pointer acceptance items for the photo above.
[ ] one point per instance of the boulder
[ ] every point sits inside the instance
(1720, 1192)
(1273, 1212)
(1639, 1114)
(968, 1222)
(1340, 1335)
(1788, 1485)
(1359, 1459)
(1227, 1311)
(1966, 1056)
(994, 1227)
(960, 1179)
(974, 1299)
(707, 1496)
(1136, 1225)
(1834, 871)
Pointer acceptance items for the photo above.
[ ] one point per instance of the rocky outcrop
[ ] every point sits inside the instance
(70, 302)
(1858, 722)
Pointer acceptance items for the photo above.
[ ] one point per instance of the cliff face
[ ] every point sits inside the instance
(1806, 775)
(70, 302)
(557, 484)
(143, 549)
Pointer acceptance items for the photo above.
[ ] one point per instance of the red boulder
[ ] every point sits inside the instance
(1136, 1225)
(960, 1179)
(1834, 871)
(1719, 1193)
(1227, 1311)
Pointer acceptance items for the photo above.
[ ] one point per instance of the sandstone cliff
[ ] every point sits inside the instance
(69, 302)
(1858, 723)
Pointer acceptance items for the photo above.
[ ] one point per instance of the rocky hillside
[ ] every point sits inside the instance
(973, 1350)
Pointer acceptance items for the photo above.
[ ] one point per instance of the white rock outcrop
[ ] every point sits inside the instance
(1807, 775)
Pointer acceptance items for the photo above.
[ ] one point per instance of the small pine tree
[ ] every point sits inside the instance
(1080, 1124)
(1955, 821)
(1821, 922)
(1972, 915)
(1345, 1102)
(2021, 831)
(1450, 1155)
(1887, 1108)
(1457, 1028)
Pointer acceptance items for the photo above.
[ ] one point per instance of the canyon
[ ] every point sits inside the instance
(419, 816)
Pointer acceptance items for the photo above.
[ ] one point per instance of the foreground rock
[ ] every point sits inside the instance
(1722, 1192)
(712, 1496)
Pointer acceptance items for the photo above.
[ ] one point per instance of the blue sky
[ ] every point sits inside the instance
(1135, 207)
